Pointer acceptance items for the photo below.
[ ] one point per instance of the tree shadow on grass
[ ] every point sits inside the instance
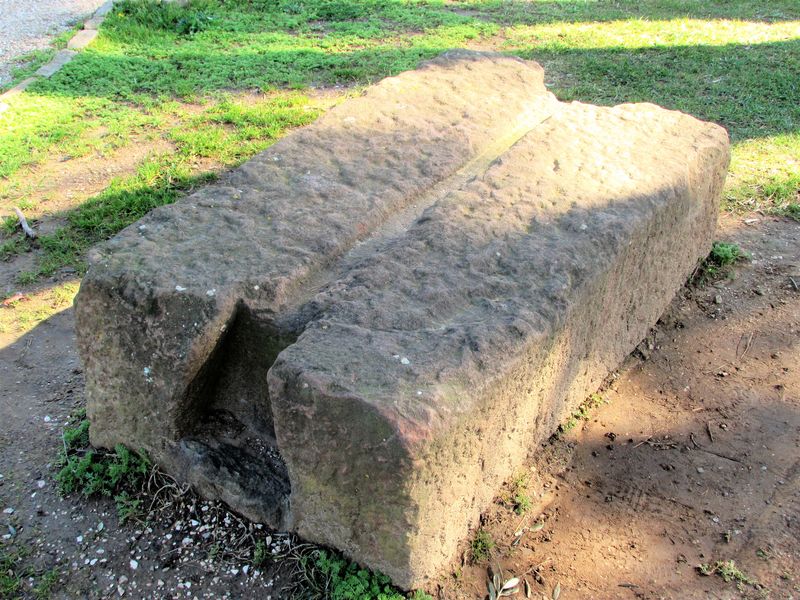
(750, 89)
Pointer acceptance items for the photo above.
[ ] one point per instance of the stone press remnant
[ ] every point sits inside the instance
(359, 334)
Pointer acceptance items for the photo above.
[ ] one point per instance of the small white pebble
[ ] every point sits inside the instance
(134, 564)
(180, 288)
(405, 361)
(41, 483)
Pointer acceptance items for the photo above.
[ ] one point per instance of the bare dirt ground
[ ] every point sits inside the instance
(694, 459)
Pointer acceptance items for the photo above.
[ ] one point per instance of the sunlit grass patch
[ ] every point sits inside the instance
(646, 33)
(38, 127)
(765, 171)
(227, 132)
(19, 313)
(233, 130)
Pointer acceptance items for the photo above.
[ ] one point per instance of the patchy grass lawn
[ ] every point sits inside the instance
(220, 80)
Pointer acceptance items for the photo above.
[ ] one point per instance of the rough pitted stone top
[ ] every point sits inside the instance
(453, 349)
(312, 195)
(493, 267)
(159, 296)
(366, 329)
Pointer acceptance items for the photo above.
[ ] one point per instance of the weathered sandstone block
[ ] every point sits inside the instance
(367, 328)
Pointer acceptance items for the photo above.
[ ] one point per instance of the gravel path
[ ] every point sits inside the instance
(27, 25)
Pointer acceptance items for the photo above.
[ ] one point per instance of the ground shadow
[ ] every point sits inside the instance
(751, 90)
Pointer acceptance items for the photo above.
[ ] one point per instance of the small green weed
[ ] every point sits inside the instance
(719, 262)
(582, 413)
(481, 545)
(10, 579)
(260, 553)
(726, 569)
(116, 474)
(791, 211)
(724, 254)
(519, 494)
(48, 581)
(329, 575)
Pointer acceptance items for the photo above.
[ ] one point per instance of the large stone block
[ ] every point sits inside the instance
(368, 327)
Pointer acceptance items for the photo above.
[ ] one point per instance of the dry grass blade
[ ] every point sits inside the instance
(557, 591)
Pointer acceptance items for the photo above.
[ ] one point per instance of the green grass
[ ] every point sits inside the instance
(728, 570)
(330, 576)
(83, 470)
(15, 573)
(736, 63)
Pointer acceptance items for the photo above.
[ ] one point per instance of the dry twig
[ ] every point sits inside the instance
(24, 224)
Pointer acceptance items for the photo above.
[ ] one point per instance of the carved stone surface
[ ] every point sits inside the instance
(365, 329)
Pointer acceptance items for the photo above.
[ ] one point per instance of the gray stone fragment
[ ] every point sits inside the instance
(82, 39)
(104, 9)
(17, 89)
(61, 58)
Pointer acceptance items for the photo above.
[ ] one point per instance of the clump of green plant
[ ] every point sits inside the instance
(792, 210)
(117, 474)
(718, 263)
(260, 553)
(582, 413)
(519, 494)
(13, 572)
(481, 545)
(331, 576)
(166, 16)
(728, 570)
(10, 578)
(724, 254)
